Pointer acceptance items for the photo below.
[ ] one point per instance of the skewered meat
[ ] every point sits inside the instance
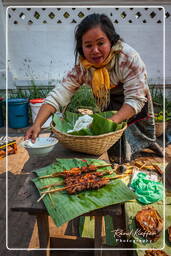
(169, 233)
(80, 183)
(76, 171)
(71, 180)
(155, 253)
(85, 183)
(150, 223)
(80, 170)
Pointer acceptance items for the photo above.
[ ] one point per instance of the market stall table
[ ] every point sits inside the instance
(26, 201)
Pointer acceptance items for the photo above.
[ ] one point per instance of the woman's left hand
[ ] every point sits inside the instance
(124, 113)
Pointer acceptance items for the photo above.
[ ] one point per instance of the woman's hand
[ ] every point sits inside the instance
(32, 133)
(44, 113)
(124, 113)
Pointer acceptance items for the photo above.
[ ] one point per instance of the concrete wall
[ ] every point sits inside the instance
(41, 48)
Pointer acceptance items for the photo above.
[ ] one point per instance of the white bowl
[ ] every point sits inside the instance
(42, 145)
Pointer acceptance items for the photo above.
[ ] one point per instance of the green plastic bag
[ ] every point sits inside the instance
(147, 191)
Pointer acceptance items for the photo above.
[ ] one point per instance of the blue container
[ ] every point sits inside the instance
(18, 113)
(1, 114)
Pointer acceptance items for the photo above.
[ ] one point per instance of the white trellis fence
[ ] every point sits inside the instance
(41, 40)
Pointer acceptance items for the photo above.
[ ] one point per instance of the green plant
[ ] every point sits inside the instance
(32, 92)
(83, 98)
(157, 97)
(159, 101)
(160, 118)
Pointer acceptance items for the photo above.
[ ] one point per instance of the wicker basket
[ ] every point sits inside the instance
(160, 127)
(95, 145)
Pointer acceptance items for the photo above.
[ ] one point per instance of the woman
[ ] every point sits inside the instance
(117, 76)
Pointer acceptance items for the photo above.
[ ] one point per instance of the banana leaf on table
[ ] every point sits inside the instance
(140, 242)
(167, 245)
(63, 207)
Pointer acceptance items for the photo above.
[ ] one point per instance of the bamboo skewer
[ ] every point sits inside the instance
(142, 166)
(56, 174)
(43, 195)
(153, 167)
(56, 190)
(119, 176)
(52, 185)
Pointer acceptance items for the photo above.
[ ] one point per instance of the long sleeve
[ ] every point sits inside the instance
(61, 95)
(132, 73)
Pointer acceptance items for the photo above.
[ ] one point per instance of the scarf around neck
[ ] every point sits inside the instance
(101, 84)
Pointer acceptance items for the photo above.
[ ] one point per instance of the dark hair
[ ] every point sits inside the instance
(92, 21)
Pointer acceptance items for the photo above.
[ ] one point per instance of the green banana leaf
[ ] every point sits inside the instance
(139, 242)
(63, 207)
(100, 124)
(167, 246)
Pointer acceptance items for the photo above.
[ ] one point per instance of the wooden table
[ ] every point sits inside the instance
(26, 201)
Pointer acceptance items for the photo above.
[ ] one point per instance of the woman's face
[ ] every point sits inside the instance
(96, 45)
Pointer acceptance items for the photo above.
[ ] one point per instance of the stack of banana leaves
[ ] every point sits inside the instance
(64, 206)
(100, 125)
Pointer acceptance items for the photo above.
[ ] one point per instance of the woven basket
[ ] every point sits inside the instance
(160, 127)
(94, 145)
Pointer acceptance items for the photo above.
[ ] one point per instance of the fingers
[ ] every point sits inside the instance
(32, 133)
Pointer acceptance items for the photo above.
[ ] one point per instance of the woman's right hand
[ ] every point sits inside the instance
(32, 133)
(44, 112)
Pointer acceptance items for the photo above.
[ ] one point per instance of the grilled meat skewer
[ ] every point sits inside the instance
(70, 179)
(76, 171)
(93, 183)
(87, 182)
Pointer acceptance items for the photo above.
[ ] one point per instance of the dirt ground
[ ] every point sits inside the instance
(22, 228)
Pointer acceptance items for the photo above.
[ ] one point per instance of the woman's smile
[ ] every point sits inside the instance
(97, 59)
(96, 45)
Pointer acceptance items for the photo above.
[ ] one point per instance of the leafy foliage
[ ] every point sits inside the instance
(159, 103)
(159, 116)
(100, 124)
(83, 98)
(32, 92)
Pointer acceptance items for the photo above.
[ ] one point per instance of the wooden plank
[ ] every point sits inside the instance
(43, 231)
(98, 234)
(71, 242)
(108, 210)
(26, 199)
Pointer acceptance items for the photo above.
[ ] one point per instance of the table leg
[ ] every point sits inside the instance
(98, 235)
(43, 232)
